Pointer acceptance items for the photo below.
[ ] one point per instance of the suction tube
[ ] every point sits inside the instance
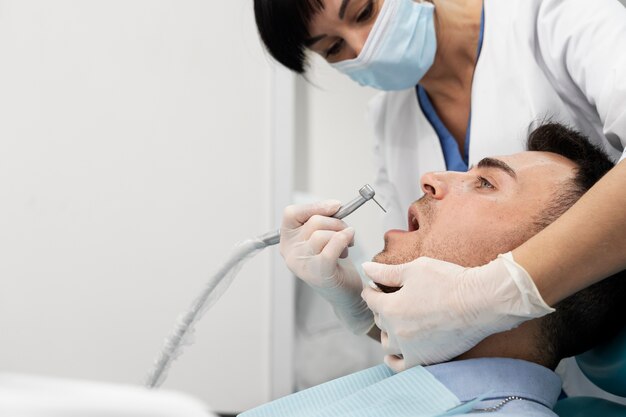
(218, 284)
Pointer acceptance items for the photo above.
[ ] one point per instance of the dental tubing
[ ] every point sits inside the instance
(219, 283)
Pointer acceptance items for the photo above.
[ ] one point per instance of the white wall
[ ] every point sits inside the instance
(134, 152)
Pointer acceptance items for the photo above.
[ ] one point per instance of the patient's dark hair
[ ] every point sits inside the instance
(282, 25)
(597, 313)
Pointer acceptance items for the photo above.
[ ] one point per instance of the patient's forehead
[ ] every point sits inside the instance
(534, 165)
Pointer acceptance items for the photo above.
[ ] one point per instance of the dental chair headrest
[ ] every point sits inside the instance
(605, 365)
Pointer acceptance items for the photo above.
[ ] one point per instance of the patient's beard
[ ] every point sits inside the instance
(397, 257)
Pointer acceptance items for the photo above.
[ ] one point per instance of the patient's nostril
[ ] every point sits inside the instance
(429, 189)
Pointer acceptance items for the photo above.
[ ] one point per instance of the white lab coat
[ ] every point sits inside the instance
(563, 60)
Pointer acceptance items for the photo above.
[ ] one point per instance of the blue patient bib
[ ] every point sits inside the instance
(375, 392)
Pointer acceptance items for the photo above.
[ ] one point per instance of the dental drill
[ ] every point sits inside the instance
(219, 282)
(365, 193)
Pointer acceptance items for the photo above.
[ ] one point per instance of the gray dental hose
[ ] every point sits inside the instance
(217, 285)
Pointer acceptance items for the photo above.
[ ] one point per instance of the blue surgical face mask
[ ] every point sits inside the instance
(399, 50)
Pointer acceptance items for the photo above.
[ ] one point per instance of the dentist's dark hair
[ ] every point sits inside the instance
(282, 25)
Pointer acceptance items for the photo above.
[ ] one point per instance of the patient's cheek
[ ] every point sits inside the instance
(472, 246)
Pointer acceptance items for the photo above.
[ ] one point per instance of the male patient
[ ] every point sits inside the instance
(468, 219)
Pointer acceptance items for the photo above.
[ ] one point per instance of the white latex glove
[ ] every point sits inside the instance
(312, 244)
(443, 309)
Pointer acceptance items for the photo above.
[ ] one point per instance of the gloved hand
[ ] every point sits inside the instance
(311, 244)
(443, 310)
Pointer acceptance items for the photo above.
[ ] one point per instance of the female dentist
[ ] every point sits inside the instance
(463, 79)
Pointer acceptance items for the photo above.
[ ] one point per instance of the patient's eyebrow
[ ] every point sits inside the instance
(497, 164)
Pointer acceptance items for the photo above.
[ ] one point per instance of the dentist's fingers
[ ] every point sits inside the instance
(320, 238)
(388, 275)
(295, 216)
(390, 279)
(395, 362)
(376, 300)
(384, 340)
(317, 223)
(338, 243)
(389, 344)
(378, 321)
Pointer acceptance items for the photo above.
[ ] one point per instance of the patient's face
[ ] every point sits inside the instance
(470, 217)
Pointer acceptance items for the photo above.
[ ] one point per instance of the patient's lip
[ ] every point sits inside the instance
(413, 218)
(390, 232)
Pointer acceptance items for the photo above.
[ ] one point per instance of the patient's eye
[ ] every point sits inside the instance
(484, 183)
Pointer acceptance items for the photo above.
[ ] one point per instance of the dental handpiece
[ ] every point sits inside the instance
(365, 193)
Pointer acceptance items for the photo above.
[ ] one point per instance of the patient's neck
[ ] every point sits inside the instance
(523, 342)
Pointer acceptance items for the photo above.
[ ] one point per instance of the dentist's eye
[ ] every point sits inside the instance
(366, 13)
(334, 49)
(484, 183)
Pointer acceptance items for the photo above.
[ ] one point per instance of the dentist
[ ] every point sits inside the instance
(462, 80)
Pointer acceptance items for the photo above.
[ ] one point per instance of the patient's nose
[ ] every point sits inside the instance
(435, 184)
